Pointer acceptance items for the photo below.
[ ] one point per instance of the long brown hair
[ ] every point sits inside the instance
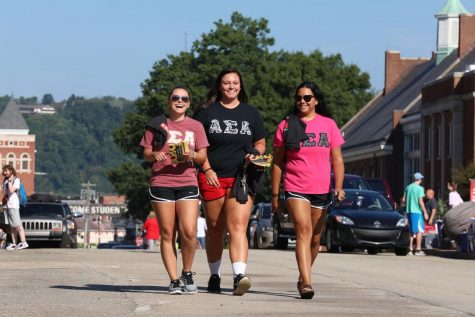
(10, 168)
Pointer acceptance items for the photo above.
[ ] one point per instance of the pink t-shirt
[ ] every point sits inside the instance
(167, 174)
(308, 170)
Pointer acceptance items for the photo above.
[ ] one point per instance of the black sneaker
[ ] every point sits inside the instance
(242, 284)
(189, 286)
(175, 287)
(214, 284)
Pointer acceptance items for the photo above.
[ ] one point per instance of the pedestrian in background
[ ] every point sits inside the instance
(201, 231)
(431, 206)
(236, 134)
(152, 231)
(416, 213)
(454, 196)
(173, 186)
(307, 144)
(11, 201)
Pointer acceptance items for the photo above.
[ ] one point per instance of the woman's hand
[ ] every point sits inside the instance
(189, 156)
(160, 156)
(339, 194)
(211, 177)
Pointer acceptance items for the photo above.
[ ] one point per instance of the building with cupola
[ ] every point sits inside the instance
(17, 146)
(424, 119)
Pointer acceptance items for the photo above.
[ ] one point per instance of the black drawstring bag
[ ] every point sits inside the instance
(240, 188)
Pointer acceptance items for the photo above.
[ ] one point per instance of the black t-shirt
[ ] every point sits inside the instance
(431, 204)
(230, 132)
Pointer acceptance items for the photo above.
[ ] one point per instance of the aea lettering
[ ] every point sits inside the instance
(311, 141)
(229, 127)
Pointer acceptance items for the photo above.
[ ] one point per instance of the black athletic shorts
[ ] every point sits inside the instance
(172, 194)
(320, 201)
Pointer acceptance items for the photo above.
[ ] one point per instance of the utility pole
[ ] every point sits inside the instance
(87, 193)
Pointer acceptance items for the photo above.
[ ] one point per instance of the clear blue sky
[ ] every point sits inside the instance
(107, 47)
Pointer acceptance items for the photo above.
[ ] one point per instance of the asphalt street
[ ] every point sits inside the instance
(62, 282)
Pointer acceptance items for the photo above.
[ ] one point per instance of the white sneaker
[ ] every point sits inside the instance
(22, 245)
(419, 252)
(11, 247)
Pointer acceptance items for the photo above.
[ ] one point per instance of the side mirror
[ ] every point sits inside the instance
(77, 214)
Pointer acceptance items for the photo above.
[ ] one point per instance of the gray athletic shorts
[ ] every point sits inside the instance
(12, 217)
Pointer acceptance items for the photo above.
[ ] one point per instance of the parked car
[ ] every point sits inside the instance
(49, 222)
(283, 228)
(365, 220)
(381, 185)
(260, 226)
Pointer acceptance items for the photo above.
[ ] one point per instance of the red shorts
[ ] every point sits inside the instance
(209, 192)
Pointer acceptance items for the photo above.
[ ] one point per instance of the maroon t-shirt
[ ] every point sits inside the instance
(167, 174)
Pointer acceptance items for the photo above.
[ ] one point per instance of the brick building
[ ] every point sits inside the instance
(423, 120)
(17, 146)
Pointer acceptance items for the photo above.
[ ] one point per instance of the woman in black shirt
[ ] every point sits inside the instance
(236, 133)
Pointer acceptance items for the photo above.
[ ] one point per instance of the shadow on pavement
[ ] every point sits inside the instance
(155, 289)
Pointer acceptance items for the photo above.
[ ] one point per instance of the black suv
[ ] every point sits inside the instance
(49, 222)
(282, 223)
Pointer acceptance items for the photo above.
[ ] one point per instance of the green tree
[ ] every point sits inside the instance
(270, 79)
(47, 99)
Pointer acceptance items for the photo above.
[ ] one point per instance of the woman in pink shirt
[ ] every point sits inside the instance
(306, 146)
(174, 186)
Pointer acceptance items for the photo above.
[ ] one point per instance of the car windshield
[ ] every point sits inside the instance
(365, 201)
(42, 210)
(377, 185)
(355, 183)
(266, 212)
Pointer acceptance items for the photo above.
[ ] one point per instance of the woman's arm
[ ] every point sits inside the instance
(338, 172)
(277, 166)
(260, 145)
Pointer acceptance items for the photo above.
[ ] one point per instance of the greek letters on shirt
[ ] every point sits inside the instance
(231, 127)
(311, 141)
(175, 137)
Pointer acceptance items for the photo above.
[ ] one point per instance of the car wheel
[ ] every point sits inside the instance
(401, 251)
(330, 243)
(256, 241)
(373, 251)
(279, 242)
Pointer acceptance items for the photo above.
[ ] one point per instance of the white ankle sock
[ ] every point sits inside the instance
(215, 267)
(239, 268)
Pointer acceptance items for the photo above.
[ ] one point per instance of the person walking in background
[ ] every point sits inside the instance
(173, 186)
(201, 232)
(152, 231)
(236, 133)
(431, 206)
(306, 145)
(11, 201)
(454, 196)
(416, 213)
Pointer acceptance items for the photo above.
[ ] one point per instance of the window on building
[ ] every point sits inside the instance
(412, 154)
(449, 140)
(438, 141)
(25, 162)
(11, 159)
(428, 148)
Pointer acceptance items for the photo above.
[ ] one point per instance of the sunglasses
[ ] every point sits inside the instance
(306, 98)
(175, 98)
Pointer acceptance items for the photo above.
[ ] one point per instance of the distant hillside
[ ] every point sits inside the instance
(76, 145)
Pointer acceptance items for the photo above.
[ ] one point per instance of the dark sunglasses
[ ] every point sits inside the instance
(175, 98)
(306, 98)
